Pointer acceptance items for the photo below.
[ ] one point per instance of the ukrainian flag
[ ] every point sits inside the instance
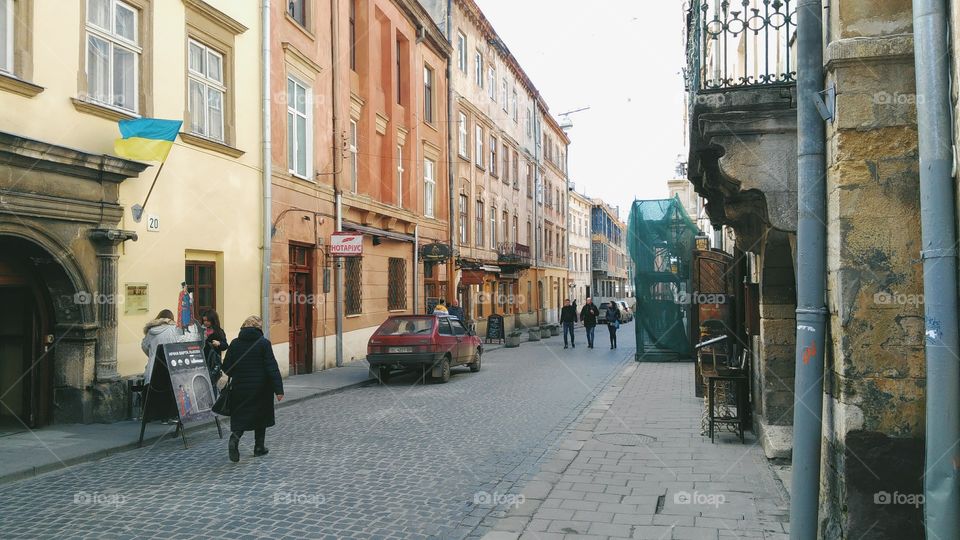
(146, 139)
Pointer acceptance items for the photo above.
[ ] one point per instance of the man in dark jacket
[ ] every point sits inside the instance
(589, 315)
(568, 317)
(255, 379)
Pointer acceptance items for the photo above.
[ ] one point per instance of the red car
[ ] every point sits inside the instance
(412, 342)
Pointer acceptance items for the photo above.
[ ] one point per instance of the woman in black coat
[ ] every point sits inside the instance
(214, 345)
(255, 379)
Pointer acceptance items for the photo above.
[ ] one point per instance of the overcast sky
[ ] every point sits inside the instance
(623, 59)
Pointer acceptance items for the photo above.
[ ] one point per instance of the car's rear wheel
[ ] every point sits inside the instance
(444, 370)
(475, 365)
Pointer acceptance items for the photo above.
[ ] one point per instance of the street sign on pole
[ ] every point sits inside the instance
(346, 244)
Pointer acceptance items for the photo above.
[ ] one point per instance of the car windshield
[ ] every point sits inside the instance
(402, 326)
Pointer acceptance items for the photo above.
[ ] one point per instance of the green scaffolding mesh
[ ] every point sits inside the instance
(660, 238)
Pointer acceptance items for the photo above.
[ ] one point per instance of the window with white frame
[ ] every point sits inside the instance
(427, 94)
(492, 83)
(400, 176)
(464, 236)
(493, 227)
(299, 127)
(479, 68)
(462, 132)
(505, 98)
(113, 54)
(478, 229)
(6, 36)
(206, 91)
(429, 187)
(354, 156)
(478, 141)
(493, 155)
(516, 107)
(529, 122)
(462, 52)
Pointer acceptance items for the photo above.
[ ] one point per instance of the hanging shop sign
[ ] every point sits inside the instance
(435, 252)
(346, 244)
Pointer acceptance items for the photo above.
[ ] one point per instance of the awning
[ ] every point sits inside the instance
(490, 268)
(373, 231)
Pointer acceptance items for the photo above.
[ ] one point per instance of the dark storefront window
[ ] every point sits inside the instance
(201, 278)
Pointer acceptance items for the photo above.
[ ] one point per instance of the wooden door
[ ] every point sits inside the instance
(301, 309)
(24, 368)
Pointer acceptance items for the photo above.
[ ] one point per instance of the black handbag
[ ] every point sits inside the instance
(222, 405)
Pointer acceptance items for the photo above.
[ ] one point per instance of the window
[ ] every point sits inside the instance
(297, 10)
(513, 234)
(429, 187)
(505, 98)
(506, 226)
(6, 35)
(353, 284)
(478, 140)
(443, 327)
(400, 176)
(354, 151)
(529, 234)
(516, 108)
(458, 328)
(529, 180)
(479, 228)
(206, 91)
(529, 122)
(492, 83)
(505, 167)
(299, 128)
(201, 278)
(353, 34)
(396, 283)
(516, 170)
(464, 237)
(113, 54)
(399, 72)
(427, 94)
(479, 68)
(462, 52)
(493, 227)
(463, 139)
(493, 155)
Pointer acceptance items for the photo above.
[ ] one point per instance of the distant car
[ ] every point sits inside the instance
(420, 342)
(602, 317)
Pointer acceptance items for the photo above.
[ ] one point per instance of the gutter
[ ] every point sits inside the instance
(267, 236)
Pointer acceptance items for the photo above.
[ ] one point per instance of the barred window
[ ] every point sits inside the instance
(354, 297)
(397, 284)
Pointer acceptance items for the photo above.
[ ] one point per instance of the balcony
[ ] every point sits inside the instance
(600, 265)
(741, 83)
(513, 254)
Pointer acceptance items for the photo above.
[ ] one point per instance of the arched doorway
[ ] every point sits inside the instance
(26, 322)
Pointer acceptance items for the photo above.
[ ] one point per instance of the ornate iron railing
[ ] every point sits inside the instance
(513, 254)
(742, 43)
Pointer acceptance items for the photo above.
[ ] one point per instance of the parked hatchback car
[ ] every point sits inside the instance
(422, 342)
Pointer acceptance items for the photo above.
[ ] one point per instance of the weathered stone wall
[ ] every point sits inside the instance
(874, 379)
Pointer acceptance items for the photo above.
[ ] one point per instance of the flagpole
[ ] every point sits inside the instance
(137, 209)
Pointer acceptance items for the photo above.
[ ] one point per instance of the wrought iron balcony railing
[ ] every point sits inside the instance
(741, 43)
(513, 254)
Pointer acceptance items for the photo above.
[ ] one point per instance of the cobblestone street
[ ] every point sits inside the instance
(400, 461)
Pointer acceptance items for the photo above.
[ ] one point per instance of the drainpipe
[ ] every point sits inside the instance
(267, 240)
(938, 220)
(451, 271)
(536, 207)
(416, 267)
(811, 274)
(339, 299)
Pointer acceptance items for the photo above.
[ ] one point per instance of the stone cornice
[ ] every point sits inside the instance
(220, 18)
(863, 50)
(59, 208)
(38, 155)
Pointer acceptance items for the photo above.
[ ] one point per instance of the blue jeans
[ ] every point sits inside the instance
(568, 329)
(590, 330)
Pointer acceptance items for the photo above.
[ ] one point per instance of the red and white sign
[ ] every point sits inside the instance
(346, 244)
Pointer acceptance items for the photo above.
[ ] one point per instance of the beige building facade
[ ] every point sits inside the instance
(580, 266)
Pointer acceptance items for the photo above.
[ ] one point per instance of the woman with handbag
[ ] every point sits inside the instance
(254, 380)
(214, 344)
(613, 323)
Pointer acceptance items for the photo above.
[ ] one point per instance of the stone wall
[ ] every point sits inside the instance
(874, 377)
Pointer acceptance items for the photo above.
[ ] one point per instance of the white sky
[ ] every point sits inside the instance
(623, 59)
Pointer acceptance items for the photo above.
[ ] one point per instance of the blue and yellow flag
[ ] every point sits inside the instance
(146, 139)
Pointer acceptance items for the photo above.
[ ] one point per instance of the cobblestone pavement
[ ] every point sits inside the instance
(636, 466)
(400, 461)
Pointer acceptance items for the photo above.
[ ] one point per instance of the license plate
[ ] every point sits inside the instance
(400, 349)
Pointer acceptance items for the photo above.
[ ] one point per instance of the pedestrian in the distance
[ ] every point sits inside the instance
(568, 317)
(613, 323)
(589, 315)
(255, 379)
(456, 311)
(214, 345)
(440, 308)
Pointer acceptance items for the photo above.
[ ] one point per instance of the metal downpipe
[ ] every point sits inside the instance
(938, 220)
(811, 275)
(267, 211)
(339, 300)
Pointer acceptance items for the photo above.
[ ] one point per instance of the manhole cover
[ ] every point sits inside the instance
(624, 439)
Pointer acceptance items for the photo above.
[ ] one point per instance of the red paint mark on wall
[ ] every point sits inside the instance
(809, 352)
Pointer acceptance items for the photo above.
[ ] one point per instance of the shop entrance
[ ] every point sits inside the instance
(301, 301)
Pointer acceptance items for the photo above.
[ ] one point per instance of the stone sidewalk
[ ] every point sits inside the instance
(636, 466)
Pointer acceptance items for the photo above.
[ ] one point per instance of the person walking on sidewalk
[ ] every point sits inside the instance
(255, 379)
(589, 315)
(613, 323)
(456, 311)
(214, 345)
(568, 317)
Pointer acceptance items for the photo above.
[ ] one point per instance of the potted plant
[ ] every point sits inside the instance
(514, 338)
(533, 333)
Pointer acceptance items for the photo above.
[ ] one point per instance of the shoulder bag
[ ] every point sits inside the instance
(222, 406)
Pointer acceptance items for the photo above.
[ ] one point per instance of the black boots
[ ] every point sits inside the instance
(233, 448)
(258, 448)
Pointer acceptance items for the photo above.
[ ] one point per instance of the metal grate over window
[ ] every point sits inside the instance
(354, 295)
(397, 284)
